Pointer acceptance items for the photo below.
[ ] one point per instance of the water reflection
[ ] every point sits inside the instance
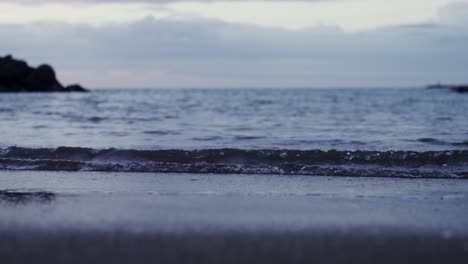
(18, 197)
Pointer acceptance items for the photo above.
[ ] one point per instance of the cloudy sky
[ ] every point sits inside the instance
(321, 43)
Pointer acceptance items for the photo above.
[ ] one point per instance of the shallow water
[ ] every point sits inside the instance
(145, 202)
(301, 119)
(96, 217)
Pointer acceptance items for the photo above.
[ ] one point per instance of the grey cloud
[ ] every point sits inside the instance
(208, 51)
(456, 13)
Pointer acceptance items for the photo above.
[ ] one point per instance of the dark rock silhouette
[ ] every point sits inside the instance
(439, 86)
(460, 89)
(455, 88)
(18, 76)
(75, 88)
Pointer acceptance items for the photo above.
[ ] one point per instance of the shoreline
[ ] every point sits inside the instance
(99, 217)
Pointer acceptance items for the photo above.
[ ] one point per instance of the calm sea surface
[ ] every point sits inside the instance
(343, 119)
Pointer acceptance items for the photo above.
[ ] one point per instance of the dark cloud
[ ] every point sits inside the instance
(205, 51)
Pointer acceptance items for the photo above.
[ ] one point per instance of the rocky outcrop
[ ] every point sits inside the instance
(460, 89)
(455, 88)
(18, 76)
(75, 88)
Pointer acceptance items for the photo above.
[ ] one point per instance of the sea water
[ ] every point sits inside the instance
(227, 130)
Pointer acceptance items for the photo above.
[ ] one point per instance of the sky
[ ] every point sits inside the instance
(321, 43)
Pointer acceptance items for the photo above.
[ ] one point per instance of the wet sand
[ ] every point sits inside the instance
(91, 217)
(228, 247)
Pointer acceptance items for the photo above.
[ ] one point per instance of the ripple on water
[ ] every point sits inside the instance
(161, 132)
(433, 141)
(461, 144)
(248, 137)
(209, 138)
(40, 126)
(96, 119)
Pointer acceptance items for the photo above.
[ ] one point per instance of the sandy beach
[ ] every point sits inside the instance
(94, 217)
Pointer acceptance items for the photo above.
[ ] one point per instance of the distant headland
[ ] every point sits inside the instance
(455, 88)
(18, 76)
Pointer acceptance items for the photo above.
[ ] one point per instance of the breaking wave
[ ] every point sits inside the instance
(406, 164)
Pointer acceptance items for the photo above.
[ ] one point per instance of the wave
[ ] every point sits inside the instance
(406, 164)
(434, 141)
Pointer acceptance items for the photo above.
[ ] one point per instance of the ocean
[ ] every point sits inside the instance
(359, 132)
